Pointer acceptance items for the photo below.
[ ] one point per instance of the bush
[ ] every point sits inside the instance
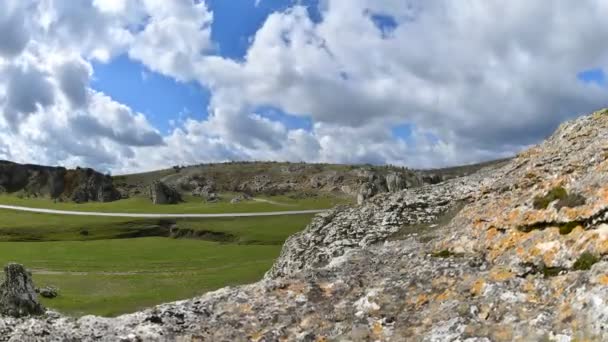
(542, 202)
(567, 228)
(585, 261)
(446, 254)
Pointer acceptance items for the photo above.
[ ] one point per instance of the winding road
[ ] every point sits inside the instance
(94, 213)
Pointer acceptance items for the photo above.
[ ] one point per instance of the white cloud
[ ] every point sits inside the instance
(472, 86)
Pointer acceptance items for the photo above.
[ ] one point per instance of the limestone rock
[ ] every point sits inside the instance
(367, 190)
(79, 185)
(240, 198)
(48, 292)
(160, 193)
(207, 193)
(395, 182)
(17, 293)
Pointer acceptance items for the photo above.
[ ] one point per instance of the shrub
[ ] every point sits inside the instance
(585, 261)
(542, 202)
(567, 228)
(446, 254)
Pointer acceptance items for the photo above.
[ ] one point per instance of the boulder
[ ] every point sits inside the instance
(240, 198)
(160, 193)
(207, 192)
(17, 293)
(48, 292)
(366, 191)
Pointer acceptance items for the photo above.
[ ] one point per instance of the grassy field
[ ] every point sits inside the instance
(191, 205)
(110, 277)
(103, 273)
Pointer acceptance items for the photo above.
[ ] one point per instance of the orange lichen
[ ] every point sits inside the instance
(603, 279)
(421, 300)
(478, 287)
(445, 295)
(503, 333)
(377, 330)
(501, 274)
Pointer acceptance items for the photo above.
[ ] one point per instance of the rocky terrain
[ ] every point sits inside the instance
(79, 185)
(297, 179)
(513, 252)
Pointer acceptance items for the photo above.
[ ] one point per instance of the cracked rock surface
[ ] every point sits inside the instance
(514, 253)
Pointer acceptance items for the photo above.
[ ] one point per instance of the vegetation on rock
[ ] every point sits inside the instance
(585, 261)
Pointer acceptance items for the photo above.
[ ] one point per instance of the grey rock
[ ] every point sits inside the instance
(240, 198)
(395, 182)
(160, 193)
(79, 185)
(17, 293)
(48, 292)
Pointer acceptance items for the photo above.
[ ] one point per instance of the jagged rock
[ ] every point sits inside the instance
(17, 293)
(79, 185)
(160, 193)
(207, 193)
(367, 190)
(395, 182)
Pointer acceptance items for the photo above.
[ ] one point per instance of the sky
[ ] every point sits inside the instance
(136, 85)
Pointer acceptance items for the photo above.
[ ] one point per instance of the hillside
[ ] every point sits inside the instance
(298, 180)
(508, 253)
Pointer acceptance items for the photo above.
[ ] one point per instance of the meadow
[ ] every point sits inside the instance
(190, 205)
(101, 266)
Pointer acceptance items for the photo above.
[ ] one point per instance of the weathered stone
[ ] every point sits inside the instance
(79, 185)
(17, 293)
(240, 198)
(48, 292)
(160, 193)
(395, 182)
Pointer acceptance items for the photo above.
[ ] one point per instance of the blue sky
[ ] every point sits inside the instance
(352, 81)
(163, 99)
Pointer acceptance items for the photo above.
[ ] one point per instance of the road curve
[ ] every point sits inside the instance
(92, 213)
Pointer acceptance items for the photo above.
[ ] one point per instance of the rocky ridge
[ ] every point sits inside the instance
(514, 253)
(79, 185)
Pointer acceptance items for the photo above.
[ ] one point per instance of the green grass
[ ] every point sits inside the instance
(100, 273)
(191, 205)
(110, 277)
(22, 226)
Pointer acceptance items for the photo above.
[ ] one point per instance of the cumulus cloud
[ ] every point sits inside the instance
(15, 35)
(470, 86)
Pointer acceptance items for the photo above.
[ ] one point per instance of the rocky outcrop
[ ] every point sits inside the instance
(160, 193)
(79, 185)
(240, 198)
(17, 293)
(395, 182)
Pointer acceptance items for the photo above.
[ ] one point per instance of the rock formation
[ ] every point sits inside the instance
(510, 253)
(79, 185)
(160, 193)
(17, 293)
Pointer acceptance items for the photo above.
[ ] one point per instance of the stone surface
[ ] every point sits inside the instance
(160, 193)
(493, 256)
(17, 293)
(48, 292)
(240, 198)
